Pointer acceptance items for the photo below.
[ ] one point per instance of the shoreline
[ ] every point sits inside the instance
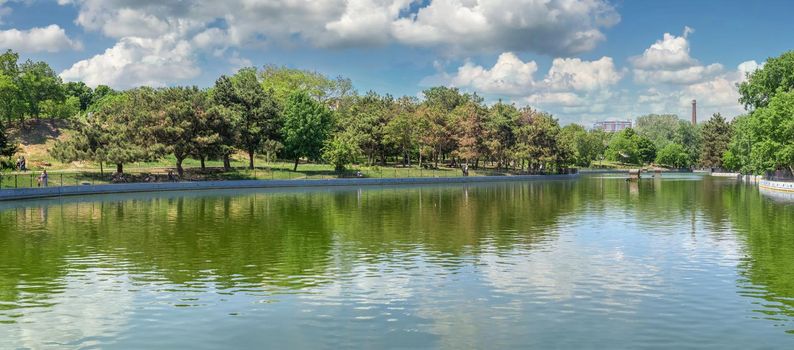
(64, 191)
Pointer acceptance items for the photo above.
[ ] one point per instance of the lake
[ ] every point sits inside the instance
(682, 261)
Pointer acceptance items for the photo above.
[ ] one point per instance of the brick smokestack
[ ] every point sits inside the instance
(694, 112)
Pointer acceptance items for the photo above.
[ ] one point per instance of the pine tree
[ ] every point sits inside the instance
(715, 135)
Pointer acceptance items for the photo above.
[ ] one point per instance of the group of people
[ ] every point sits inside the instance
(42, 180)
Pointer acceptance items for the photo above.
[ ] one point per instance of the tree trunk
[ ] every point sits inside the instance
(227, 164)
(250, 159)
(101, 169)
(179, 169)
(119, 168)
(296, 164)
(203, 166)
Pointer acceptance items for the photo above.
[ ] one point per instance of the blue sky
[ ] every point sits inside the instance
(582, 60)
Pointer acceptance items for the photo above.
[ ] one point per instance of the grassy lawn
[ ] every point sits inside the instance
(158, 172)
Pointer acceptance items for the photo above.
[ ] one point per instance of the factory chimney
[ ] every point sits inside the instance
(694, 112)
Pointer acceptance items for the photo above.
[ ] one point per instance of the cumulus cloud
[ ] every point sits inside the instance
(577, 74)
(51, 38)
(548, 27)
(668, 61)
(137, 61)
(512, 76)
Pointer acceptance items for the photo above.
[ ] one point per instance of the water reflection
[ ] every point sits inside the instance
(430, 266)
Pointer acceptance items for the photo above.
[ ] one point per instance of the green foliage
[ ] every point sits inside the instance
(673, 155)
(118, 132)
(39, 83)
(7, 147)
(716, 135)
(660, 129)
(341, 150)
(307, 124)
(182, 126)
(60, 110)
(257, 119)
(777, 76)
(584, 147)
(283, 81)
(688, 136)
(646, 150)
(81, 91)
(623, 147)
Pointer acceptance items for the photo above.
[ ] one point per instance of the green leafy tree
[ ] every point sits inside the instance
(259, 118)
(776, 76)
(737, 157)
(772, 132)
(7, 146)
(307, 124)
(646, 150)
(660, 129)
(181, 123)
(402, 131)
(673, 155)
(39, 83)
(584, 147)
(341, 150)
(468, 122)
(500, 129)
(66, 109)
(81, 91)
(12, 103)
(623, 147)
(716, 135)
(283, 81)
(119, 131)
(688, 136)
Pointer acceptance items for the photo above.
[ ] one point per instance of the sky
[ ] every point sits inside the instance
(581, 60)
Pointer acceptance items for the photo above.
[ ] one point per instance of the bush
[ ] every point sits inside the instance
(673, 155)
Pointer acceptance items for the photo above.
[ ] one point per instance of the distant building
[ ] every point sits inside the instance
(612, 125)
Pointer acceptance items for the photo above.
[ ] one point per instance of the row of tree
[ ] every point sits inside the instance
(294, 114)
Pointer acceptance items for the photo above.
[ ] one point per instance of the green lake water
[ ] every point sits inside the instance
(678, 262)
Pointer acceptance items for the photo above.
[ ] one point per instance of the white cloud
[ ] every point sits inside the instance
(51, 38)
(668, 61)
(137, 61)
(509, 76)
(547, 27)
(576, 74)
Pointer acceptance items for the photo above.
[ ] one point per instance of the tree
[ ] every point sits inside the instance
(401, 132)
(283, 81)
(584, 147)
(468, 131)
(673, 155)
(660, 129)
(81, 91)
(536, 141)
(737, 157)
(181, 123)
(772, 132)
(646, 150)
(307, 124)
(259, 118)
(60, 110)
(341, 150)
(776, 76)
(623, 147)
(117, 132)
(688, 136)
(12, 105)
(39, 83)
(716, 135)
(7, 147)
(501, 127)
